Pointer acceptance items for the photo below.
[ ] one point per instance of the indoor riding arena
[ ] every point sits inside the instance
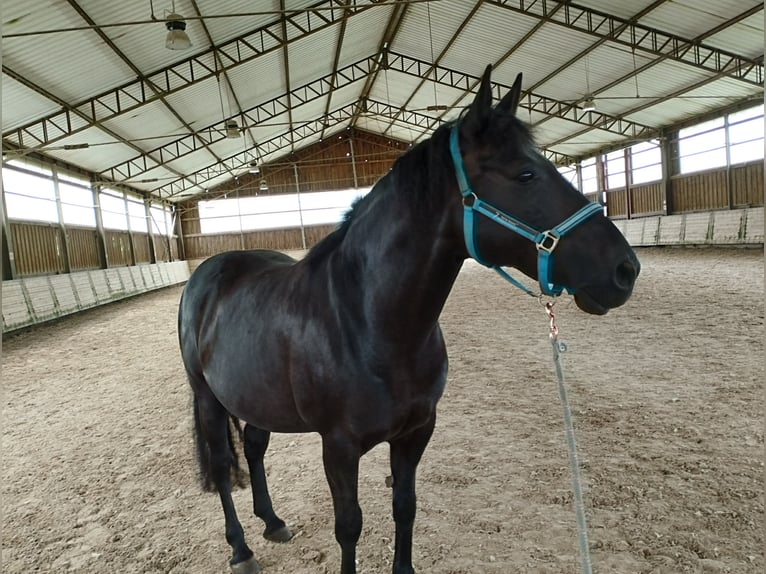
(148, 137)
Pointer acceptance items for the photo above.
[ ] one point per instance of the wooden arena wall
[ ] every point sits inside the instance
(736, 187)
(40, 249)
(726, 202)
(353, 159)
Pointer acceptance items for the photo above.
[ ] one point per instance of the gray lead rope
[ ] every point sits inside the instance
(582, 528)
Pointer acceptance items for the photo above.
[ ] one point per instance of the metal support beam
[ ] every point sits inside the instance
(9, 253)
(23, 80)
(62, 228)
(286, 67)
(432, 70)
(260, 113)
(333, 74)
(280, 144)
(104, 38)
(73, 119)
(394, 22)
(640, 37)
(529, 100)
(653, 63)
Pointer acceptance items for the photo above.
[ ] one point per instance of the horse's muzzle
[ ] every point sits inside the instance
(597, 300)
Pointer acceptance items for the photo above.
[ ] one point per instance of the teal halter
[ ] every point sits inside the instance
(545, 241)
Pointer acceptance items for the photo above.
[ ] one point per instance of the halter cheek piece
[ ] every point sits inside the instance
(545, 241)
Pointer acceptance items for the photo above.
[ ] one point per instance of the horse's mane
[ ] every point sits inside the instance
(408, 174)
(427, 165)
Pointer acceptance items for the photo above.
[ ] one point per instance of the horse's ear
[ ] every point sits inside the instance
(481, 108)
(510, 101)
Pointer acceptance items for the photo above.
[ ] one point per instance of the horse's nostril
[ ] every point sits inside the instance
(625, 274)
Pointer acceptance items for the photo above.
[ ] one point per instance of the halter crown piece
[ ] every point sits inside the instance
(545, 241)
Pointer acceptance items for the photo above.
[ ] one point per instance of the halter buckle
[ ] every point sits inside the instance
(469, 199)
(547, 241)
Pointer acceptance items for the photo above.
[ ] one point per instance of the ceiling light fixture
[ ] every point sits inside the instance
(177, 38)
(232, 129)
(254, 168)
(263, 186)
(589, 104)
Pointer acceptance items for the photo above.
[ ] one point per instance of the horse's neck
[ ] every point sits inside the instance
(405, 263)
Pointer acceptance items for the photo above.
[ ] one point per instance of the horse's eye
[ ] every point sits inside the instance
(526, 176)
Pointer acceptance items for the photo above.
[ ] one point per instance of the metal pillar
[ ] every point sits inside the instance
(300, 208)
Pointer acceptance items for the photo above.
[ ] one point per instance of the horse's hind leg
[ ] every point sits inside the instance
(212, 422)
(256, 443)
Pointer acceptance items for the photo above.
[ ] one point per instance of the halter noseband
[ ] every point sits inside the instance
(545, 241)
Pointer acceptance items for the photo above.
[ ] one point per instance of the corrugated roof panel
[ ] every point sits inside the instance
(340, 98)
(364, 32)
(149, 121)
(58, 67)
(200, 104)
(415, 35)
(744, 38)
(144, 44)
(22, 105)
(228, 147)
(224, 29)
(506, 29)
(192, 162)
(312, 56)
(403, 133)
(555, 129)
(310, 111)
(259, 81)
(373, 124)
(691, 18)
(547, 49)
(670, 111)
(104, 152)
(621, 8)
(601, 67)
(426, 96)
(160, 173)
(666, 77)
(393, 87)
(587, 143)
(719, 93)
(707, 98)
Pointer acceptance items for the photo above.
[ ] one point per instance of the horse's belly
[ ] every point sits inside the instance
(268, 405)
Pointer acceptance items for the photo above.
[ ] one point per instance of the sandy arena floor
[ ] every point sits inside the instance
(98, 473)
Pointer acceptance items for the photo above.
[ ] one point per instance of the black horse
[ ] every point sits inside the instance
(346, 342)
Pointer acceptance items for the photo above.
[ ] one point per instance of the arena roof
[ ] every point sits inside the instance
(91, 83)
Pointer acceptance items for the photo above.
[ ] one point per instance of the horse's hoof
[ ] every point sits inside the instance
(249, 566)
(283, 534)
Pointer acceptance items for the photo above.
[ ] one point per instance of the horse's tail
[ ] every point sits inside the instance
(207, 470)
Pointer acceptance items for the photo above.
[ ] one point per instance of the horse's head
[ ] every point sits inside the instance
(520, 212)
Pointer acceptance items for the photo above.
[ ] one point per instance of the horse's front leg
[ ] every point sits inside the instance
(405, 456)
(341, 466)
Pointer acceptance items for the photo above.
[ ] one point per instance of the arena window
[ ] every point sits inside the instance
(137, 215)
(275, 211)
(614, 168)
(746, 135)
(113, 210)
(77, 201)
(645, 162)
(160, 220)
(702, 146)
(589, 176)
(29, 194)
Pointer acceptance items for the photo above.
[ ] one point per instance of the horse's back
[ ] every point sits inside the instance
(218, 278)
